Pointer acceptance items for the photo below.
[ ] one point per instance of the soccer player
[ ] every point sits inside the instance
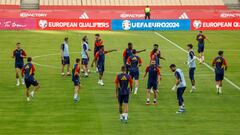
(153, 80)
(19, 54)
(220, 65)
(127, 53)
(100, 60)
(156, 55)
(134, 62)
(85, 55)
(65, 56)
(28, 71)
(75, 79)
(97, 44)
(123, 83)
(180, 86)
(192, 66)
(201, 42)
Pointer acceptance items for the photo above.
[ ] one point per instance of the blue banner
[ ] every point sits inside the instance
(151, 25)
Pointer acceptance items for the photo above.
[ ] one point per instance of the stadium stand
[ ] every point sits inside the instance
(119, 4)
(130, 2)
(232, 4)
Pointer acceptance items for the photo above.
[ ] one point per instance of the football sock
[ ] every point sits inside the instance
(75, 96)
(32, 93)
(125, 116)
(220, 89)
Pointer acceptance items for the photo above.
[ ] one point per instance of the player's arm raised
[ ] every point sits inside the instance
(141, 51)
(109, 51)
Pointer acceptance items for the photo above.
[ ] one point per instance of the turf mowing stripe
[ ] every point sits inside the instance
(208, 66)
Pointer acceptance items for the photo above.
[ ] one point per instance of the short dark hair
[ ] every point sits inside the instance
(220, 52)
(29, 59)
(123, 68)
(97, 34)
(18, 43)
(155, 45)
(190, 46)
(172, 66)
(201, 31)
(66, 38)
(134, 51)
(77, 60)
(101, 46)
(84, 38)
(129, 43)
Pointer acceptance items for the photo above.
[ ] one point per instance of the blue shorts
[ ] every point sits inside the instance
(76, 81)
(123, 99)
(66, 60)
(19, 65)
(84, 61)
(100, 68)
(191, 73)
(134, 74)
(219, 76)
(95, 51)
(152, 85)
(30, 81)
(200, 48)
(180, 92)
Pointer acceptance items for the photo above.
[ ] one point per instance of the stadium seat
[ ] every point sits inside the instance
(202, 2)
(124, 2)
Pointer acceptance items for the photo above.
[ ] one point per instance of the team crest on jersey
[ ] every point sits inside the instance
(124, 78)
(218, 60)
(134, 58)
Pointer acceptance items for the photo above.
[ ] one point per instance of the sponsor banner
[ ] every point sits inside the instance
(150, 24)
(215, 24)
(17, 24)
(119, 14)
(73, 24)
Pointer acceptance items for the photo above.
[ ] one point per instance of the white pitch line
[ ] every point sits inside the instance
(208, 66)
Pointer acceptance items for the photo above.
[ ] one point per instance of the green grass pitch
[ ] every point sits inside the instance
(53, 111)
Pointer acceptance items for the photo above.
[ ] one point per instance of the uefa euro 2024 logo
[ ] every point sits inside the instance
(42, 24)
(126, 24)
(197, 24)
